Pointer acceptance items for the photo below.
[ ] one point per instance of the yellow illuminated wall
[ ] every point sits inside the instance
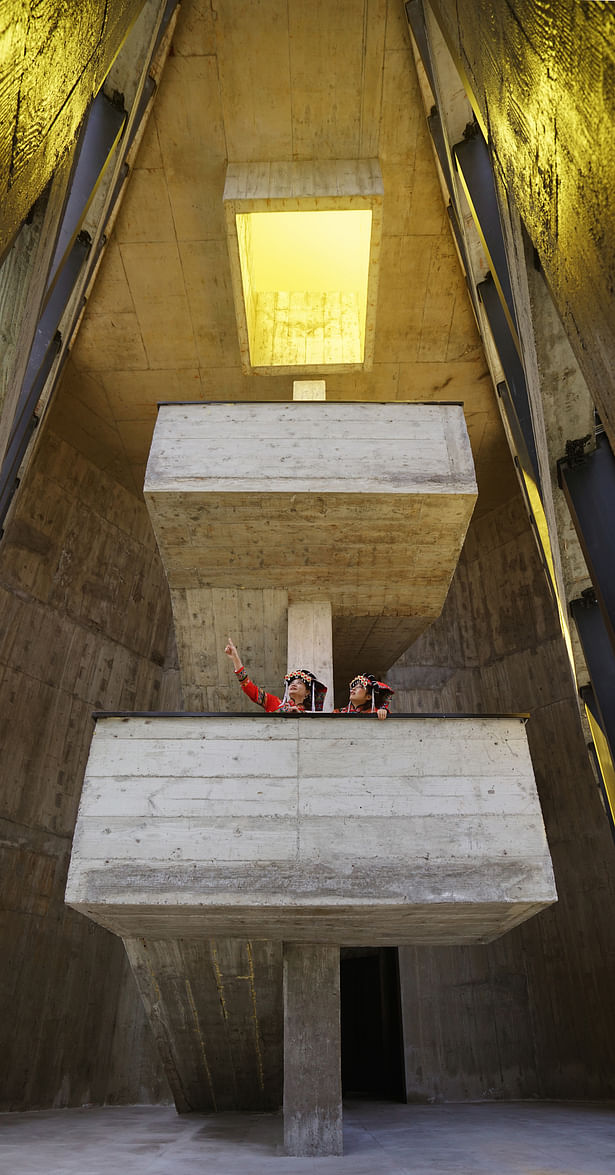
(304, 277)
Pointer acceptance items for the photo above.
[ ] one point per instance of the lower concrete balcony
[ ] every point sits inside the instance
(323, 828)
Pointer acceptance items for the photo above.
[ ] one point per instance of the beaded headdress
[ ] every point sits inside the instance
(373, 687)
(316, 687)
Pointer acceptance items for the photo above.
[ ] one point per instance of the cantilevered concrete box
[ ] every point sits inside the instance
(365, 505)
(319, 828)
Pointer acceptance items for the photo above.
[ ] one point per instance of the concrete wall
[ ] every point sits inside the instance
(84, 621)
(55, 58)
(541, 77)
(532, 1014)
(216, 1012)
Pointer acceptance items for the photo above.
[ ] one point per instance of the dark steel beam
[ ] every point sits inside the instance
(54, 309)
(476, 175)
(521, 451)
(434, 122)
(416, 19)
(170, 7)
(512, 366)
(20, 437)
(601, 755)
(589, 488)
(149, 88)
(99, 137)
(45, 348)
(599, 659)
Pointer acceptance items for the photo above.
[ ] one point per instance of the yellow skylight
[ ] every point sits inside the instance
(304, 246)
(304, 277)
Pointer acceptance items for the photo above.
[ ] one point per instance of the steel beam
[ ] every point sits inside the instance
(589, 487)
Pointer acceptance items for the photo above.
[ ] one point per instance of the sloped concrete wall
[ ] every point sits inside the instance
(84, 623)
(531, 1014)
(542, 77)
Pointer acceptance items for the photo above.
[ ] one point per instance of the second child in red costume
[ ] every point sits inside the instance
(368, 696)
(303, 693)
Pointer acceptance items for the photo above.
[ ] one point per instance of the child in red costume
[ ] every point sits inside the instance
(368, 696)
(303, 693)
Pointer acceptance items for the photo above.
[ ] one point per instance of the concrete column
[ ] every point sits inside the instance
(312, 1054)
(310, 635)
(309, 389)
(310, 642)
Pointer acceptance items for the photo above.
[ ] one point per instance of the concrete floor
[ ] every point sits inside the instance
(520, 1138)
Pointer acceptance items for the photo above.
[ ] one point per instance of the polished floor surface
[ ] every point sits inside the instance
(380, 1138)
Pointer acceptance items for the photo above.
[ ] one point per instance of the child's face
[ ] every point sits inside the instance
(297, 690)
(358, 694)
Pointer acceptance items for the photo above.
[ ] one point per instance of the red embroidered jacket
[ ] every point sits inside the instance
(270, 703)
(366, 708)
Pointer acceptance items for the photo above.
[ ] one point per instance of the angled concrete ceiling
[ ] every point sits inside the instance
(275, 80)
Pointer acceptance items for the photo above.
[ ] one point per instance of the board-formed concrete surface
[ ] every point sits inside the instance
(363, 505)
(488, 1138)
(323, 828)
(366, 505)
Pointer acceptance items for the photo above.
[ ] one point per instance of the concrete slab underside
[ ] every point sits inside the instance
(520, 1138)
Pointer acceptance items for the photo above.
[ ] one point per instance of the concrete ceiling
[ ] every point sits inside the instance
(274, 80)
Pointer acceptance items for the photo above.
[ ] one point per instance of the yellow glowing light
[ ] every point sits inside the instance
(305, 277)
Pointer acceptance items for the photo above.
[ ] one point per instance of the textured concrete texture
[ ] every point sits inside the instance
(170, 338)
(266, 496)
(559, 195)
(519, 1138)
(312, 1050)
(321, 828)
(327, 828)
(416, 469)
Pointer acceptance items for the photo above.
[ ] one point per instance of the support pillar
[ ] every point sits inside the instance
(310, 642)
(309, 389)
(312, 1052)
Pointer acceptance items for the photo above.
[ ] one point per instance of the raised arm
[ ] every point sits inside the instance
(255, 693)
(231, 652)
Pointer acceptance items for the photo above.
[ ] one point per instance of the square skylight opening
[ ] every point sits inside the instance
(304, 246)
(304, 278)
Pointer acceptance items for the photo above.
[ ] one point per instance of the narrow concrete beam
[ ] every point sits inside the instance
(312, 1051)
(310, 642)
(309, 389)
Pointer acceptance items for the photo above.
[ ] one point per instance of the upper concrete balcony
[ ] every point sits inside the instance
(320, 828)
(363, 505)
(366, 505)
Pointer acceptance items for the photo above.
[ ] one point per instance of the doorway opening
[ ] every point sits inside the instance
(372, 1036)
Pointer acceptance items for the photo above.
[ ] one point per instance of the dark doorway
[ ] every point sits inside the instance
(372, 1038)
